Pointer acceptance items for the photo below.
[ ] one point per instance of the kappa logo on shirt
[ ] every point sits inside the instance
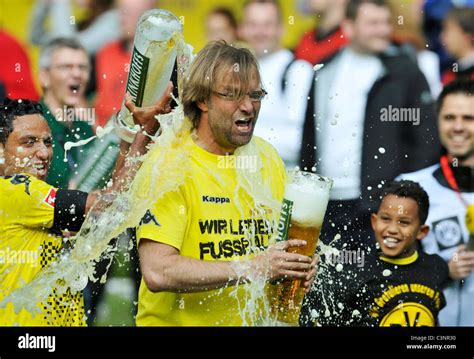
(212, 199)
(50, 198)
(448, 232)
(149, 217)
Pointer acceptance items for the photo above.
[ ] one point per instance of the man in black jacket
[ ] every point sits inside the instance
(370, 116)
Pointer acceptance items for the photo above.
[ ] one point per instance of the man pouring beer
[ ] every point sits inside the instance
(200, 244)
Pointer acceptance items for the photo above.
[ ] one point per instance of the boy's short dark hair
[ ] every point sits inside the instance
(353, 6)
(10, 109)
(462, 85)
(409, 189)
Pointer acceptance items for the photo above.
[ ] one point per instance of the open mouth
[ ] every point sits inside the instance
(244, 125)
(39, 169)
(74, 88)
(458, 140)
(391, 242)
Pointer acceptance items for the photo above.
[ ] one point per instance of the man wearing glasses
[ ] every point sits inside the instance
(64, 73)
(201, 243)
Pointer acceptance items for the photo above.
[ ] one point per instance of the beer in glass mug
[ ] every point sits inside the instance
(302, 212)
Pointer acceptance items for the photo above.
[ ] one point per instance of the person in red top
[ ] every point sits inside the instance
(111, 66)
(113, 60)
(327, 38)
(15, 72)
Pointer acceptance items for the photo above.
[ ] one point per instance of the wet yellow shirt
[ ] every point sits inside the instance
(27, 245)
(206, 219)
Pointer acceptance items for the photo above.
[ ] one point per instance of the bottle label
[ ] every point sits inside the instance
(137, 76)
(285, 218)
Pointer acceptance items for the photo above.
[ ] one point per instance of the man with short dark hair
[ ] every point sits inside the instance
(450, 185)
(64, 73)
(370, 116)
(35, 214)
(286, 79)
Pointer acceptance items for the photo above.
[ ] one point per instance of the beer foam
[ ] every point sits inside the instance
(309, 202)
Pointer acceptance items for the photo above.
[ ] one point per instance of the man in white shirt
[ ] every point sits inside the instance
(354, 131)
(287, 81)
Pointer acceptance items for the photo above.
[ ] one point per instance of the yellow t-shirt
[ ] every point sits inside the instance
(26, 246)
(205, 219)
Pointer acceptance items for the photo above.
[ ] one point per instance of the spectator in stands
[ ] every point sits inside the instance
(64, 72)
(221, 25)
(458, 38)
(353, 130)
(113, 60)
(286, 80)
(407, 22)
(322, 42)
(101, 26)
(450, 185)
(15, 72)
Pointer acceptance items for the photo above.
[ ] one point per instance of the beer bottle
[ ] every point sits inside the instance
(151, 65)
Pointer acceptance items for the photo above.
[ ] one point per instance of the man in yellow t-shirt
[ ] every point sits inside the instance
(191, 238)
(33, 214)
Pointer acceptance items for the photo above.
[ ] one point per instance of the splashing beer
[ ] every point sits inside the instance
(302, 213)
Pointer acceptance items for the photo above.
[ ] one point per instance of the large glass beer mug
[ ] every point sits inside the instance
(153, 58)
(302, 213)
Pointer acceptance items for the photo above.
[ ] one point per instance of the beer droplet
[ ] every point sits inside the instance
(318, 67)
(381, 150)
